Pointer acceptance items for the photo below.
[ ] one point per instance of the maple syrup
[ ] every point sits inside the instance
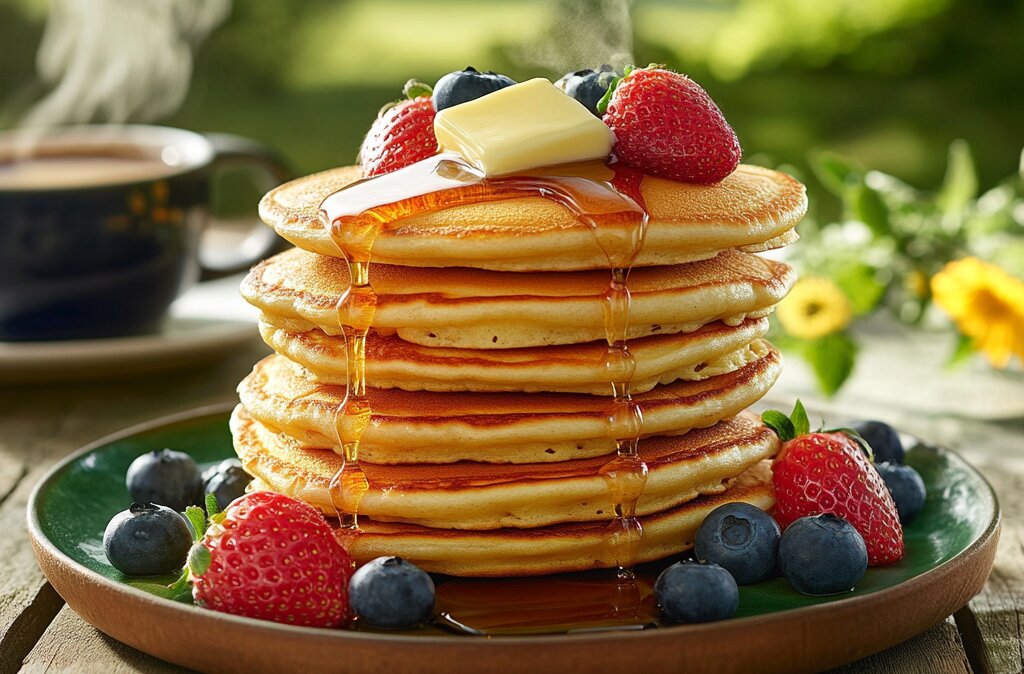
(604, 197)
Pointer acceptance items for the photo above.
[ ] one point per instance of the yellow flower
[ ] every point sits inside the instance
(814, 308)
(987, 305)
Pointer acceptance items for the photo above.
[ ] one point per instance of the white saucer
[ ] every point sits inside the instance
(209, 320)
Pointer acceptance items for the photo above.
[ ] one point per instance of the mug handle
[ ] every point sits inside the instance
(261, 241)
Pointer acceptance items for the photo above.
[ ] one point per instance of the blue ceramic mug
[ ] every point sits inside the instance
(101, 225)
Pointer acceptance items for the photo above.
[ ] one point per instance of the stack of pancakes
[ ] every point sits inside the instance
(485, 367)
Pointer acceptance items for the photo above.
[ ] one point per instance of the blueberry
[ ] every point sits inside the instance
(165, 477)
(147, 540)
(884, 440)
(466, 85)
(742, 539)
(226, 481)
(822, 555)
(588, 86)
(907, 489)
(391, 592)
(693, 592)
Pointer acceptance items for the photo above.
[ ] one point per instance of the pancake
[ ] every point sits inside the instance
(424, 427)
(391, 362)
(753, 208)
(474, 309)
(558, 548)
(483, 496)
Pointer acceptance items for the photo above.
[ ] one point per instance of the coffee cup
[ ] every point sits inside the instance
(101, 226)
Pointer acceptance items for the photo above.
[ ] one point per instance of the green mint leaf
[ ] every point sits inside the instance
(197, 519)
(869, 207)
(415, 89)
(211, 505)
(960, 186)
(801, 425)
(832, 359)
(780, 423)
(198, 559)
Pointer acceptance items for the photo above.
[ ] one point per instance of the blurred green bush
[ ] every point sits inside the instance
(890, 83)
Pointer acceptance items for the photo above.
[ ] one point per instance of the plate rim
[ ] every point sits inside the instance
(42, 544)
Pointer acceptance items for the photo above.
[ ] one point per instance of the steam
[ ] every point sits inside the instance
(119, 60)
(583, 34)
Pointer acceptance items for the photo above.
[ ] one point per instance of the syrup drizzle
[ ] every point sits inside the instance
(604, 197)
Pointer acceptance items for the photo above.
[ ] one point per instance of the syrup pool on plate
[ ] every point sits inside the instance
(603, 197)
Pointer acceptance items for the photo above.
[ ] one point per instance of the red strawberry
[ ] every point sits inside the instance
(273, 558)
(666, 124)
(402, 134)
(828, 472)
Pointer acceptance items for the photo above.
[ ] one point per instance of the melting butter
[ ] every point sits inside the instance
(521, 127)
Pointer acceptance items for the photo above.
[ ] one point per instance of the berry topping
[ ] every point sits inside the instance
(402, 134)
(226, 481)
(392, 593)
(274, 558)
(826, 472)
(884, 440)
(667, 125)
(588, 86)
(165, 477)
(822, 555)
(742, 539)
(692, 592)
(466, 85)
(147, 540)
(907, 489)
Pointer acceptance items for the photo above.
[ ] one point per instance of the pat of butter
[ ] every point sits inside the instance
(521, 127)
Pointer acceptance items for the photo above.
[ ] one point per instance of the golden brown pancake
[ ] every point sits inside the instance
(425, 427)
(471, 308)
(480, 496)
(391, 362)
(754, 209)
(557, 548)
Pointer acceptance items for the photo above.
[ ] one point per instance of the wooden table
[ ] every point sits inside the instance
(41, 424)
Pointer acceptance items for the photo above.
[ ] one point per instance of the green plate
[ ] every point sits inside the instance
(950, 547)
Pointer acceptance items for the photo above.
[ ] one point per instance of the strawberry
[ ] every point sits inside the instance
(667, 125)
(828, 472)
(402, 134)
(274, 558)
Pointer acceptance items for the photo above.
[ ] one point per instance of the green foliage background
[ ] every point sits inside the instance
(889, 83)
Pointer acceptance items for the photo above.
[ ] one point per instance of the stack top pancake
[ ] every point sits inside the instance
(753, 209)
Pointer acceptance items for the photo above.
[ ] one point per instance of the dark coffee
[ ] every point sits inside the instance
(100, 226)
(51, 172)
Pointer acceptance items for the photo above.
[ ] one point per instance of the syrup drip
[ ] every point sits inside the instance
(604, 198)
(568, 603)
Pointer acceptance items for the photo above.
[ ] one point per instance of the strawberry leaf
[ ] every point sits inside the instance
(197, 519)
(801, 424)
(198, 559)
(179, 590)
(602, 105)
(854, 435)
(211, 505)
(780, 423)
(153, 588)
(415, 89)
